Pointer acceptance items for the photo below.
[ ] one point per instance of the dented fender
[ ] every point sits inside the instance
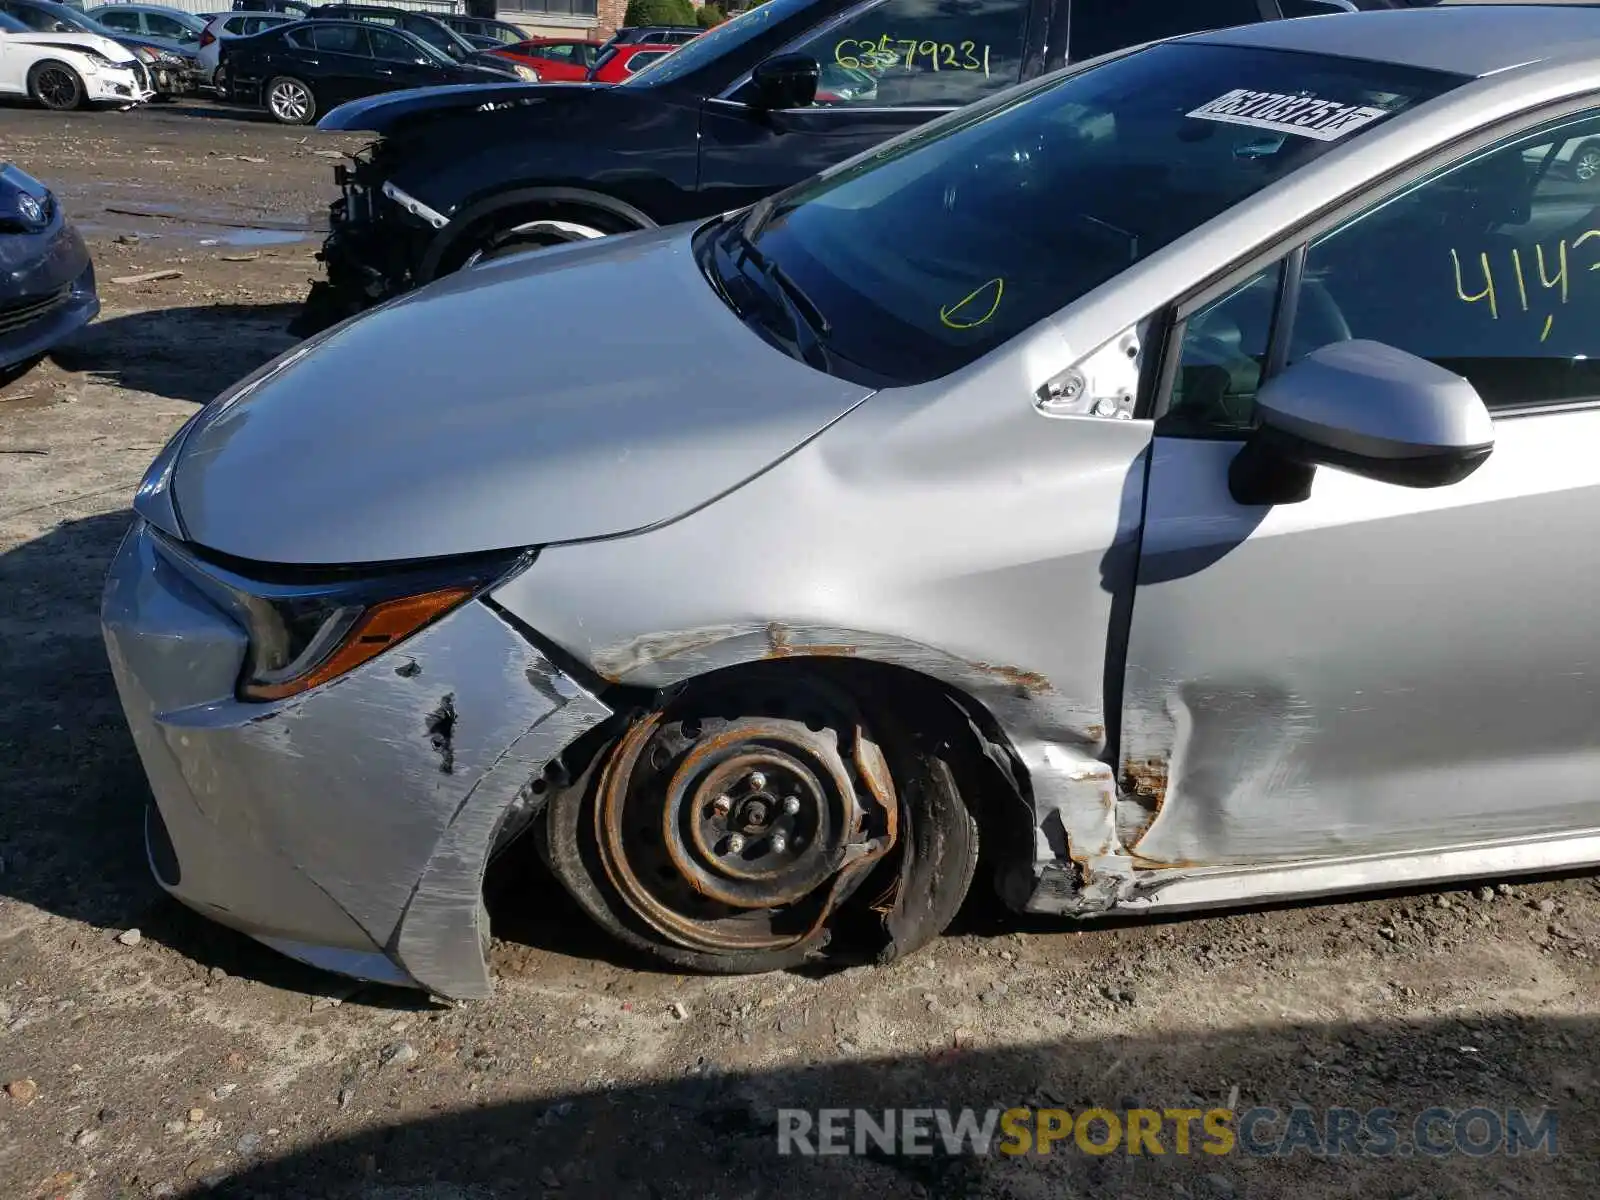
(358, 816)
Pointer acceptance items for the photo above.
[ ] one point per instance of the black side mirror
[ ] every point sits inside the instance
(785, 81)
(454, 51)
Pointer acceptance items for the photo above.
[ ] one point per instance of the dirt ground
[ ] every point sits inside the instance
(185, 1059)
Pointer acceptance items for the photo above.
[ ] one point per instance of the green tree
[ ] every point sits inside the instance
(659, 12)
(709, 16)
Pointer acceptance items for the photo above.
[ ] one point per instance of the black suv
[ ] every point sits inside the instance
(752, 106)
(486, 33)
(655, 35)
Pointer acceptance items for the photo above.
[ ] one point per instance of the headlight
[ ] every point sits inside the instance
(310, 631)
(32, 204)
(527, 73)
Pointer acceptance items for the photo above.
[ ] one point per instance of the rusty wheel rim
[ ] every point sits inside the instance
(740, 834)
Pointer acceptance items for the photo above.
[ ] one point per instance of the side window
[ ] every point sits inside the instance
(644, 58)
(909, 53)
(554, 53)
(1221, 357)
(1487, 268)
(339, 39)
(434, 35)
(1101, 26)
(123, 22)
(158, 25)
(391, 46)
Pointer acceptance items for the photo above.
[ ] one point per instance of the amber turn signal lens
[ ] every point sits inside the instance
(375, 630)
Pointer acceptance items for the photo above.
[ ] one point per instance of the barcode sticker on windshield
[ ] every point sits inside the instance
(1309, 116)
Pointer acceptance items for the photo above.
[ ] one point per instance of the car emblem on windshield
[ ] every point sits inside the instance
(30, 209)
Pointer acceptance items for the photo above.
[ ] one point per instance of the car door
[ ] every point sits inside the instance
(1376, 668)
(398, 62)
(340, 62)
(887, 66)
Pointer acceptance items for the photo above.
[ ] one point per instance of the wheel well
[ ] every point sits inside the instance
(51, 62)
(989, 774)
(455, 245)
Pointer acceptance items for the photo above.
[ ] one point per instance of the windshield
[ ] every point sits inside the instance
(432, 53)
(10, 24)
(442, 37)
(916, 260)
(714, 43)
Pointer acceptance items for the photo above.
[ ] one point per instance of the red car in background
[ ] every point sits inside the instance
(557, 59)
(619, 62)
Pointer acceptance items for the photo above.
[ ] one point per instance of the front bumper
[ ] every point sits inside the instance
(335, 826)
(169, 80)
(373, 252)
(118, 85)
(47, 291)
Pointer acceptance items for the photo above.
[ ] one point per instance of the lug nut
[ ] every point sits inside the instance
(779, 844)
(757, 781)
(721, 805)
(791, 805)
(735, 843)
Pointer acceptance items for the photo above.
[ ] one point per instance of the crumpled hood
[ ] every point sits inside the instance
(383, 112)
(579, 392)
(93, 42)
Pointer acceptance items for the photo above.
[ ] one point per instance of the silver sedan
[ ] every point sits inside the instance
(1180, 468)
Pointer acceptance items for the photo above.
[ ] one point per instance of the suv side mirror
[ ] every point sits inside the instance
(785, 81)
(1367, 408)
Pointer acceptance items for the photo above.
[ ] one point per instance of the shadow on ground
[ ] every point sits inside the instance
(717, 1135)
(188, 353)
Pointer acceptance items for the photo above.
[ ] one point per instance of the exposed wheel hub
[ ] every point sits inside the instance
(741, 833)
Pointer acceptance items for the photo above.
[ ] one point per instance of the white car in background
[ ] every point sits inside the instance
(232, 25)
(68, 70)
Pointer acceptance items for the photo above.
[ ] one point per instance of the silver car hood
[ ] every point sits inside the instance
(583, 391)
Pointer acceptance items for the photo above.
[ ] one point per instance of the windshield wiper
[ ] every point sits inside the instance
(810, 327)
(808, 311)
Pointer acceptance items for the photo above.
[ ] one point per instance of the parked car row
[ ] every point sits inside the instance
(169, 63)
(183, 52)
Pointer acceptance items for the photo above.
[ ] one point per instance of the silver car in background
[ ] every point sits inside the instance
(1179, 469)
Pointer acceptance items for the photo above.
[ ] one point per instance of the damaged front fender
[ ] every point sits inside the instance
(359, 815)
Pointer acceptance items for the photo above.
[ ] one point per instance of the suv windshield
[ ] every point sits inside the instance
(915, 260)
(714, 43)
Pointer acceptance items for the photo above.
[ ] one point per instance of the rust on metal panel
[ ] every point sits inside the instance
(1146, 779)
(711, 828)
(1029, 682)
(616, 664)
(781, 644)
